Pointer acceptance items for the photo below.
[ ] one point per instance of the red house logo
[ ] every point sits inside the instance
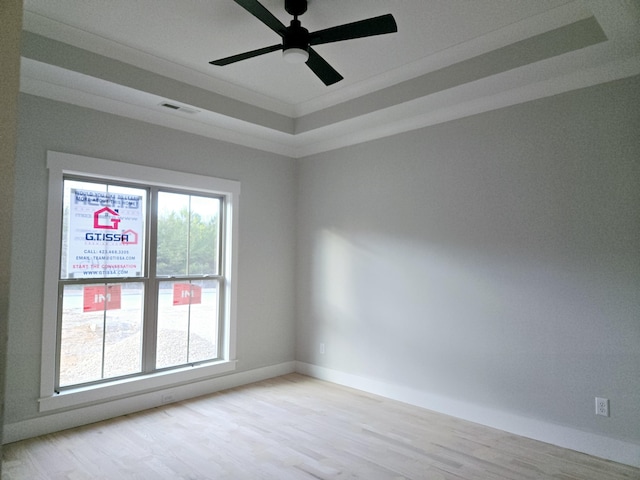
(129, 237)
(106, 218)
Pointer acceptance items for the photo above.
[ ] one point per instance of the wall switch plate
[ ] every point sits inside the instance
(602, 406)
(322, 348)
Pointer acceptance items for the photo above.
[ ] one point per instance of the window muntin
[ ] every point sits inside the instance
(111, 326)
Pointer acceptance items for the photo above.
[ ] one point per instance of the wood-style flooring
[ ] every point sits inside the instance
(296, 427)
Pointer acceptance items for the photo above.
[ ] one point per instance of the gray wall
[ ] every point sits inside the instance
(10, 27)
(493, 259)
(267, 230)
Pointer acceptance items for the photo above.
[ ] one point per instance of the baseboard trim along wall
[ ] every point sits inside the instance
(585, 442)
(55, 422)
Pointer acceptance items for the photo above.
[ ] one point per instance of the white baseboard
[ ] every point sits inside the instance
(55, 422)
(585, 442)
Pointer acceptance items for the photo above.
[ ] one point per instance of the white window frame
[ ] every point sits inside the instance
(61, 164)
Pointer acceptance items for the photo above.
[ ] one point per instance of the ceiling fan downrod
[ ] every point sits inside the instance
(295, 8)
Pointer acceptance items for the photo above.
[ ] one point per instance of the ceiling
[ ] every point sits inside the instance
(449, 59)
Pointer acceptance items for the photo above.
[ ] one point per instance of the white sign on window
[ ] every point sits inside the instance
(105, 234)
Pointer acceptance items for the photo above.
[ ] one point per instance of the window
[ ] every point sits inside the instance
(140, 273)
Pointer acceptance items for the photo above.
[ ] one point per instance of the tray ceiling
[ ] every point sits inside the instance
(449, 59)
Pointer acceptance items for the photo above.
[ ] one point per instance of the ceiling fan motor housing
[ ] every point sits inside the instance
(296, 36)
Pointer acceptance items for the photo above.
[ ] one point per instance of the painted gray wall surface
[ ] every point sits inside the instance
(10, 31)
(493, 259)
(267, 230)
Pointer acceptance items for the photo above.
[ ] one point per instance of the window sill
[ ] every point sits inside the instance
(84, 396)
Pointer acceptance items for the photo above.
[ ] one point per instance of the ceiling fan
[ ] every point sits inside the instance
(297, 40)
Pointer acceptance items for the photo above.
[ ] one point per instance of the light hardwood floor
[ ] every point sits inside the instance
(296, 427)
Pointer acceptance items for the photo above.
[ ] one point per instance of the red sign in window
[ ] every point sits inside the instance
(186, 293)
(103, 297)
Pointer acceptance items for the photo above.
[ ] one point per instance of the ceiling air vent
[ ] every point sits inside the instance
(180, 108)
(169, 105)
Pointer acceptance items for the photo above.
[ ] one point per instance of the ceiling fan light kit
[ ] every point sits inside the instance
(295, 55)
(297, 41)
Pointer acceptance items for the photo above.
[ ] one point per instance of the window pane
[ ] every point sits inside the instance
(100, 331)
(203, 339)
(188, 234)
(203, 236)
(173, 234)
(103, 230)
(187, 322)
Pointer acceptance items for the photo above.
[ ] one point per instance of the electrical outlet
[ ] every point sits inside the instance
(322, 348)
(602, 406)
